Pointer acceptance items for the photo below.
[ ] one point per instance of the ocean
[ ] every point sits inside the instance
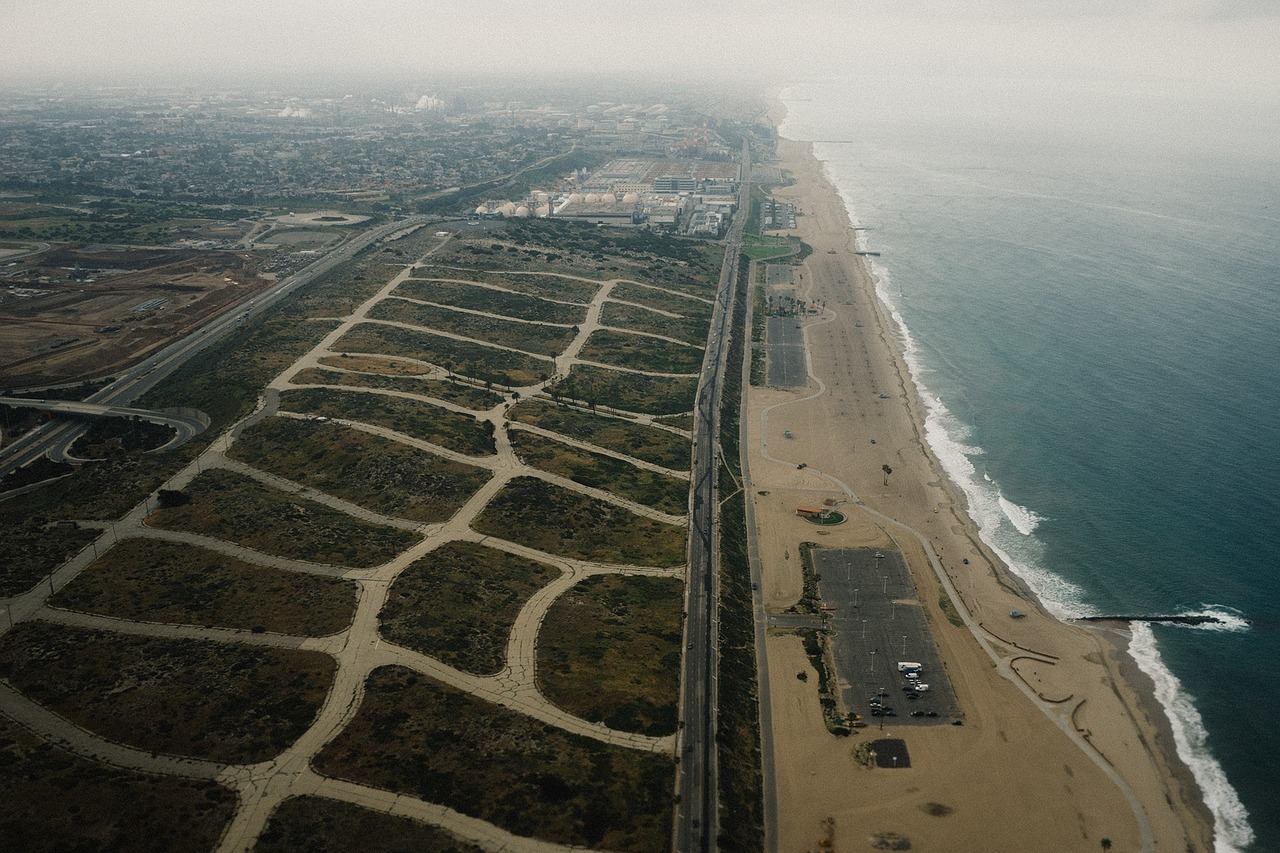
(1092, 313)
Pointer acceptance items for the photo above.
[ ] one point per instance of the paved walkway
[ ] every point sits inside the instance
(359, 649)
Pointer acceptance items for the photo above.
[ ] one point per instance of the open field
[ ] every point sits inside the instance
(552, 286)
(459, 603)
(479, 362)
(423, 738)
(86, 313)
(341, 290)
(55, 801)
(518, 305)
(609, 651)
(691, 330)
(415, 418)
(319, 825)
(238, 509)
(224, 380)
(616, 476)
(156, 581)
(530, 337)
(621, 436)
(638, 352)
(29, 550)
(558, 521)
(652, 395)
(218, 701)
(662, 298)
(368, 470)
(457, 393)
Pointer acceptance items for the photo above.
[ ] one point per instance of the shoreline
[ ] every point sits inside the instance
(1112, 704)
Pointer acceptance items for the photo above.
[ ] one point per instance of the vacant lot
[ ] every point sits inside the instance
(467, 396)
(368, 470)
(417, 736)
(609, 651)
(224, 702)
(459, 603)
(229, 506)
(482, 363)
(156, 581)
(663, 300)
(558, 521)
(29, 551)
(652, 395)
(691, 330)
(509, 304)
(451, 430)
(638, 352)
(319, 825)
(616, 476)
(556, 288)
(643, 442)
(55, 802)
(530, 337)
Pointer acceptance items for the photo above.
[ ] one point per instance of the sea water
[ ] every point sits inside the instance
(1094, 323)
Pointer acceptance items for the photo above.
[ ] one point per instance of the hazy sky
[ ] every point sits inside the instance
(1223, 45)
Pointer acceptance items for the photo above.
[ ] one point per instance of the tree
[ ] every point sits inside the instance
(887, 471)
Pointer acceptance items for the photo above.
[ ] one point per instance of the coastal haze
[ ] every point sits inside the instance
(1066, 220)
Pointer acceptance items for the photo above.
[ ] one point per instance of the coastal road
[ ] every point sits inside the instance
(57, 436)
(697, 819)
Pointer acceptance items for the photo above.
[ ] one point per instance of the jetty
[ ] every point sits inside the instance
(1174, 620)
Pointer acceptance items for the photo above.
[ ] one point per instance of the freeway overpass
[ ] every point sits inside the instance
(186, 424)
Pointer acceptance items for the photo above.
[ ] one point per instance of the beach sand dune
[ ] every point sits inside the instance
(1012, 777)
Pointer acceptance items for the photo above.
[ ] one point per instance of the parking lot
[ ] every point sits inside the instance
(877, 621)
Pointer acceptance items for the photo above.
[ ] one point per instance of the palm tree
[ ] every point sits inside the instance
(887, 471)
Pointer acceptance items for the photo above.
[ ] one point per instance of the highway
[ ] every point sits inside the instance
(697, 818)
(55, 437)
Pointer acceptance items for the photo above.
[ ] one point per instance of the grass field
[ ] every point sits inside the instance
(55, 801)
(368, 470)
(609, 651)
(558, 521)
(691, 330)
(521, 306)
(156, 581)
(223, 702)
(423, 738)
(238, 509)
(459, 603)
(536, 338)
(557, 288)
(652, 395)
(451, 430)
(638, 352)
(467, 396)
(662, 299)
(479, 362)
(320, 825)
(616, 476)
(643, 442)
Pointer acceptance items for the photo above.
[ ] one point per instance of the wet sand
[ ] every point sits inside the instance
(1062, 744)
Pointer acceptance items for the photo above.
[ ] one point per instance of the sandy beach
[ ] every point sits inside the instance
(1062, 746)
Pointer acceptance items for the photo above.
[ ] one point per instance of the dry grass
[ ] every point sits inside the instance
(368, 470)
(477, 361)
(609, 651)
(429, 740)
(537, 338)
(535, 513)
(638, 352)
(459, 603)
(518, 305)
(451, 430)
(218, 701)
(238, 509)
(319, 825)
(156, 581)
(651, 395)
(55, 802)
(621, 436)
(616, 476)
